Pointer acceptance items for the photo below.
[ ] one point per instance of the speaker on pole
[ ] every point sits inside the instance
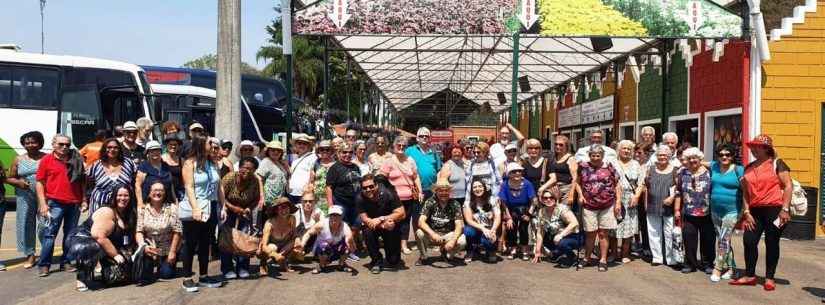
(601, 44)
(524, 84)
(502, 99)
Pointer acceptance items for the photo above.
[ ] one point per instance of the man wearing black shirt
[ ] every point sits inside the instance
(380, 211)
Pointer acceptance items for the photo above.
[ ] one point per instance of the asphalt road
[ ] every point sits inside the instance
(801, 280)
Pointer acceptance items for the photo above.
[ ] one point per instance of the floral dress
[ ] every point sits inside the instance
(628, 178)
(695, 192)
(274, 180)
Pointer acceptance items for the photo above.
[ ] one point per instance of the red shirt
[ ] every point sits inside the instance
(763, 185)
(54, 175)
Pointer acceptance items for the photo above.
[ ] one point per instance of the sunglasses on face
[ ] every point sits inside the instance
(346, 152)
(369, 187)
(725, 155)
(424, 137)
(62, 144)
(547, 198)
(477, 151)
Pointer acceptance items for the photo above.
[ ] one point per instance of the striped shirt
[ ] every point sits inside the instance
(105, 183)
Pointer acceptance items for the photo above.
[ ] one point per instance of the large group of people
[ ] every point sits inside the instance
(338, 200)
(410, 17)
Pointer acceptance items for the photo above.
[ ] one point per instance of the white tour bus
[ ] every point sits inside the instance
(66, 94)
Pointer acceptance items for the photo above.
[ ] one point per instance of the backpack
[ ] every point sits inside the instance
(799, 203)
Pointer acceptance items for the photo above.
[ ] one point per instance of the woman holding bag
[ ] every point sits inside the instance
(403, 175)
(200, 179)
(240, 194)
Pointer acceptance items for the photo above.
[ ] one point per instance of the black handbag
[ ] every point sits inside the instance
(113, 273)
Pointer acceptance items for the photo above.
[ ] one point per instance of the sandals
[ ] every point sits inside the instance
(602, 267)
(316, 270)
(345, 268)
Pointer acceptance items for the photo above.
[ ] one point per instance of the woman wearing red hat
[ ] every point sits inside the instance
(767, 192)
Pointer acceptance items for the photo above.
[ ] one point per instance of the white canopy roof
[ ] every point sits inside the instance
(408, 69)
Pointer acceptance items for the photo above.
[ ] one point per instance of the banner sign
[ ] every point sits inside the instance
(596, 111)
(569, 117)
(580, 18)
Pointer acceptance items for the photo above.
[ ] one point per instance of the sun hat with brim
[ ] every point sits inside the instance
(761, 140)
(513, 166)
(302, 137)
(336, 210)
(325, 144)
(272, 209)
(275, 144)
(130, 126)
(152, 145)
(195, 126)
(441, 184)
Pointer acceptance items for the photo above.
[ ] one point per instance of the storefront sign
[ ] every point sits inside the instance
(570, 116)
(596, 111)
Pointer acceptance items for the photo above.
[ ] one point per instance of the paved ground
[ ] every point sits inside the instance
(801, 273)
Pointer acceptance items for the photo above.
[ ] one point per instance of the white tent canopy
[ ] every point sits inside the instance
(408, 69)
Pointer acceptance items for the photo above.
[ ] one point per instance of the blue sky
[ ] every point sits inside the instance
(148, 32)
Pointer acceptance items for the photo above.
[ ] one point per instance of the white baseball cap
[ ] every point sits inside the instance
(511, 146)
(195, 125)
(514, 166)
(246, 143)
(336, 209)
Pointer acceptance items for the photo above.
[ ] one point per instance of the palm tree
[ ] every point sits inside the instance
(307, 62)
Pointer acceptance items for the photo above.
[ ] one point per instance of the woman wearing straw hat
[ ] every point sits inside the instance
(279, 235)
(274, 172)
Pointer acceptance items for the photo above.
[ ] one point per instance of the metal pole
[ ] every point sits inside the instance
(349, 78)
(228, 106)
(514, 94)
(42, 27)
(325, 103)
(665, 83)
(286, 19)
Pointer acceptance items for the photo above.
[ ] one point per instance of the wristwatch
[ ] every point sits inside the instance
(786, 209)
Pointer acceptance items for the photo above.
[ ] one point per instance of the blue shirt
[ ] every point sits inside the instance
(522, 197)
(427, 163)
(725, 195)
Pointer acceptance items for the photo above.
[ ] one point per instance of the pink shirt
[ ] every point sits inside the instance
(401, 177)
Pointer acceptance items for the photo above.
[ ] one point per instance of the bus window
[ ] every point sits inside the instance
(28, 87)
(5, 86)
(80, 114)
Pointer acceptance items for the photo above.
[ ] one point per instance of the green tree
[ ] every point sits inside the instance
(308, 71)
(210, 62)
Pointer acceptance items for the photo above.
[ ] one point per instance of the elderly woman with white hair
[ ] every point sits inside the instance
(629, 173)
(658, 181)
(692, 207)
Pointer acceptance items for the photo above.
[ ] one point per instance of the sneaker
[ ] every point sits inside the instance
(243, 274)
(687, 269)
(43, 272)
(2, 267)
(231, 275)
(353, 257)
(189, 285)
(727, 275)
(715, 278)
(376, 269)
(209, 282)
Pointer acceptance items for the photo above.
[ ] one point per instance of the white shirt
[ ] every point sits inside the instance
(301, 169)
(497, 153)
(582, 154)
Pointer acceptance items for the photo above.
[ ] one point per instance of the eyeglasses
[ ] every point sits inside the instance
(308, 201)
(725, 155)
(112, 147)
(559, 144)
(534, 147)
(424, 136)
(511, 150)
(369, 187)
(547, 197)
(346, 152)
(62, 144)
(477, 151)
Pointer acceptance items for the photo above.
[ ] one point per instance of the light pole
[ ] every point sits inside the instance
(42, 27)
